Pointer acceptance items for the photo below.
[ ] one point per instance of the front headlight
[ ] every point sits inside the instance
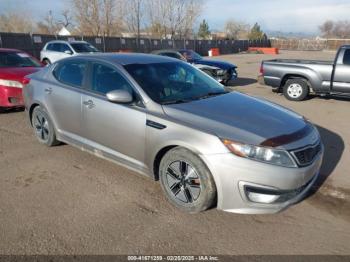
(220, 72)
(262, 154)
(10, 83)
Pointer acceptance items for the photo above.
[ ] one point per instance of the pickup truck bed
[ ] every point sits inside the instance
(297, 77)
(301, 61)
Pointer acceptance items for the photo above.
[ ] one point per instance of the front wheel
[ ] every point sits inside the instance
(46, 62)
(296, 89)
(186, 181)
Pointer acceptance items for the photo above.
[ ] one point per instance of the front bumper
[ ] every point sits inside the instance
(11, 97)
(233, 175)
(227, 76)
(261, 80)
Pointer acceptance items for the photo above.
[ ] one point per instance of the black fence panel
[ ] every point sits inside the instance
(17, 41)
(33, 44)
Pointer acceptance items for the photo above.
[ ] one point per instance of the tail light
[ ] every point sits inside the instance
(262, 69)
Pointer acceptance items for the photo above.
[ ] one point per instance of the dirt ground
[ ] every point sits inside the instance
(64, 201)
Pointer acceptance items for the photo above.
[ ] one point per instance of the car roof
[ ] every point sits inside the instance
(127, 58)
(66, 42)
(165, 51)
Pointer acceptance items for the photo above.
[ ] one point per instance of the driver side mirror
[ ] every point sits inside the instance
(119, 96)
(68, 52)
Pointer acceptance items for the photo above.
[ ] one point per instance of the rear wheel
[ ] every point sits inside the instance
(43, 127)
(296, 89)
(186, 181)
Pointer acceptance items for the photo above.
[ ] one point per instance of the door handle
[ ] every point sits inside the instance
(89, 104)
(48, 90)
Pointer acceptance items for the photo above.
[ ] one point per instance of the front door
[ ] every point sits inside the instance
(341, 79)
(118, 130)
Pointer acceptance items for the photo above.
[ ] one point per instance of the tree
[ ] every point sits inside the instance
(17, 23)
(48, 25)
(342, 29)
(134, 16)
(97, 17)
(327, 28)
(236, 30)
(339, 29)
(256, 33)
(172, 18)
(66, 20)
(204, 31)
(51, 25)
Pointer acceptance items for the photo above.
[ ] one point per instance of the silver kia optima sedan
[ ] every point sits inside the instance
(168, 120)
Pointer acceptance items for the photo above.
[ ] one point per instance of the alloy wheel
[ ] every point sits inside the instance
(41, 126)
(183, 181)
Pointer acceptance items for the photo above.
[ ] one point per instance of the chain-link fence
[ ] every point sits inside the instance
(33, 43)
(309, 45)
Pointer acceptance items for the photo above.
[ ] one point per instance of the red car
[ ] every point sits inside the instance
(14, 66)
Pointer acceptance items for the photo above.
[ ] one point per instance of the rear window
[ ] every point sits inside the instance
(13, 59)
(71, 73)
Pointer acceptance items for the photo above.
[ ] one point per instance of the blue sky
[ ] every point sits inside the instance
(283, 15)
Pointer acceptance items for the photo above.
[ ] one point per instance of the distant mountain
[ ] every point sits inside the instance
(290, 34)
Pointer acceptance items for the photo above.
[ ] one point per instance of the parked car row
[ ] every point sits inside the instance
(222, 71)
(166, 119)
(15, 64)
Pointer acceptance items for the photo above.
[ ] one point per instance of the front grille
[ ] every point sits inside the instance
(307, 155)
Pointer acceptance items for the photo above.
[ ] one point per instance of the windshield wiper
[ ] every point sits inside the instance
(179, 101)
(211, 94)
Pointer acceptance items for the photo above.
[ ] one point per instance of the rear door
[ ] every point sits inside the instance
(341, 79)
(118, 130)
(63, 97)
(54, 53)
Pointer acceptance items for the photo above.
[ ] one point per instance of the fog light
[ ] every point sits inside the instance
(13, 100)
(261, 196)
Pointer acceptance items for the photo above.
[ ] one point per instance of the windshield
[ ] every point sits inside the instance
(191, 55)
(83, 48)
(13, 59)
(174, 82)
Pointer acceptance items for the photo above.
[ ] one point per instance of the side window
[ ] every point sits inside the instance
(106, 79)
(49, 47)
(65, 47)
(56, 47)
(346, 60)
(71, 73)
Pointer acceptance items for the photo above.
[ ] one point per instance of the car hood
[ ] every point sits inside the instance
(221, 64)
(239, 117)
(17, 73)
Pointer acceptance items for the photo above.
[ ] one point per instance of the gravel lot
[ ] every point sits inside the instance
(64, 201)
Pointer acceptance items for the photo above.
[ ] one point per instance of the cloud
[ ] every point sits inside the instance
(292, 15)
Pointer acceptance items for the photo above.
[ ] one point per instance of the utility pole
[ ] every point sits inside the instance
(138, 24)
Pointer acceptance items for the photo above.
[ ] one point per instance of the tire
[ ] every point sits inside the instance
(46, 61)
(43, 127)
(296, 89)
(186, 181)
